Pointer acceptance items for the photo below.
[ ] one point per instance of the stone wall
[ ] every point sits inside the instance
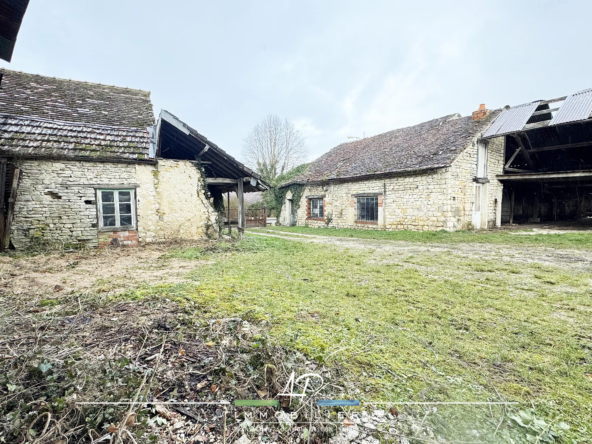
(56, 202)
(461, 187)
(171, 203)
(430, 200)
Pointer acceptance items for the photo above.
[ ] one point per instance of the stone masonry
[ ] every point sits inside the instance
(171, 202)
(438, 199)
(56, 202)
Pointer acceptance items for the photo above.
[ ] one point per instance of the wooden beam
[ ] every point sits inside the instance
(507, 165)
(535, 125)
(11, 201)
(546, 102)
(524, 152)
(543, 176)
(241, 208)
(517, 170)
(207, 147)
(220, 181)
(228, 213)
(561, 147)
(544, 111)
(2, 212)
(512, 206)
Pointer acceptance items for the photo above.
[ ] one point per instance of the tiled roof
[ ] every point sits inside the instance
(73, 101)
(429, 145)
(35, 137)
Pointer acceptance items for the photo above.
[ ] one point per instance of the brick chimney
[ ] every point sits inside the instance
(481, 112)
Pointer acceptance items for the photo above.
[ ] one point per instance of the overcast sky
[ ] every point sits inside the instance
(335, 68)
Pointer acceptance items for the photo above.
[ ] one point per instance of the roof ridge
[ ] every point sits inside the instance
(445, 118)
(3, 69)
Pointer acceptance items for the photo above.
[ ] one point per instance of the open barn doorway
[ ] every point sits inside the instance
(559, 203)
(547, 174)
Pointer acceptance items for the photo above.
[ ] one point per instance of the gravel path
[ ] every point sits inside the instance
(566, 258)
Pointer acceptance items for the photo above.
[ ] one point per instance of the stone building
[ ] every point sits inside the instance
(88, 164)
(438, 175)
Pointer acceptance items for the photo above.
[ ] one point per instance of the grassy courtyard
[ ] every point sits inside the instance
(415, 326)
(389, 318)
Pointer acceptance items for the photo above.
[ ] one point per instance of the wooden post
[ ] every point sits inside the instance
(241, 208)
(554, 207)
(512, 207)
(2, 212)
(264, 216)
(228, 212)
(10, 214)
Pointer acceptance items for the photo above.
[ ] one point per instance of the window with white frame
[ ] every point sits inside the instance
(316, 208)
(117, 209)
(367, 209)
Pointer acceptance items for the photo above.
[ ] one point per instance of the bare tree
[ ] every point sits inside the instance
(274, 147)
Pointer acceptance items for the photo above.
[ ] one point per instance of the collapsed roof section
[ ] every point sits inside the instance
(174, 139)
(576, 107)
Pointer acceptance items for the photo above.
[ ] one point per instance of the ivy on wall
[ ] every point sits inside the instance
(276, 196)
(279, 195)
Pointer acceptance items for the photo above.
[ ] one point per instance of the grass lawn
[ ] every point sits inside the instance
(576, 239)
(417, 327)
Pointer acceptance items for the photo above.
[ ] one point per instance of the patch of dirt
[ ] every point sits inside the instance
(578, 259)
(107, 271)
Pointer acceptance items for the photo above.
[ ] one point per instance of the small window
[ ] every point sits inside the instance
(117, 209)
(316, 208)
(367, 209)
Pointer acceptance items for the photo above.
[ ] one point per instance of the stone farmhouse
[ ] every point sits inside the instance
(525, 164)
(440, 174)
(88, 164)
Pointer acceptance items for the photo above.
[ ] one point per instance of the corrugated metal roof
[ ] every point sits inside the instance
(511, 119)
(578, 106)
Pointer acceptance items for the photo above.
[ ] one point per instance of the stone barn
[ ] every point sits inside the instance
(84, 164)
(547, 171)
(438, 175)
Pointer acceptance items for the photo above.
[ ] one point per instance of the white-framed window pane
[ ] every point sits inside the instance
(117, 208)
(109, 221)
(107, 196)
(109, 208)
(125, 208)
(125, 196)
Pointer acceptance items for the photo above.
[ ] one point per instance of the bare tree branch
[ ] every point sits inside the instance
(274, 147)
